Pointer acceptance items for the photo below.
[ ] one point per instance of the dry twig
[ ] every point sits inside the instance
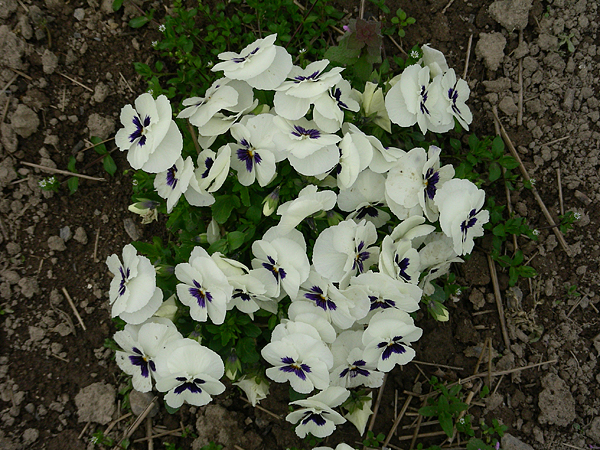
(520, 100)
(397, 421)
(498, 297)
(468, 56)
(79, 319)
(560, 192)
(62, 172)
(76, 82)
(137, 422)
(95, 257)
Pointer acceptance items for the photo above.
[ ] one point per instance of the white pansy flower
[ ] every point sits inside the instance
(204, 287)
(349, 366)
(302, 360)
(294, 97)
(255, 390)
(262, 64)
(328, 112)
(436, 257)
(384, 158)
(365, 198)
(387, 339)
(173, 182)
(310, 151)
(309, 201)
(253, 157)
(146, 209)
(140, 345)
(150, 136)
(385, 292)
(199, 110)
(399, 260)
(356, 153)
(462, 216)
(317, 415)
(341, 446)
(168, 309)
(210, 175)
(344, 250)
(307, 312)
(189, 373)
(373, 106)
(457, 92)
(133, 293)
(415, 99)
(285, 260)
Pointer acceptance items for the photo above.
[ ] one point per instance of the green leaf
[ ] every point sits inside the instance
(71, 164)
(252, 330)
(428, 411)
(109, 165)
(99, 148)
(169, 409)
(497, 147)
(362, 68)
(235, 239)
(117, 5)
(508, 162)
(495, 172)
(223, 206)
(246, 350)
(73, 184)
(138, 22)
(446, 423)
(477, 444)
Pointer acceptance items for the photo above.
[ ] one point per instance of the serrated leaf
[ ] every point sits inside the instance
(109, 165)
(341, 55)
(428, 411)
(138, 22)
(246, 350)
(446, 423)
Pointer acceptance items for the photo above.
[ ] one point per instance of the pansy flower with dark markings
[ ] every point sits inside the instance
(294, 97)
(150, 136)
(308, 202)
(262, 64)
(399, 260)
(345, 250)
(365, 198)
(387, 339)
(209, 176)
(219, 96)
(204, 287)
(457, 93)
(356, 154)
(140, 345)
(462, 216)
(317, 415)
(173, 182)
(328, 112)
(417, 99)
(349, 366)
(253, 156)
(189, 372)
(133, 293)
(286, 262)
(301, 359)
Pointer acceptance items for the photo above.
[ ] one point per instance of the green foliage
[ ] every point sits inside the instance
(49, 184)
(401, 20)
(98, 438)
(446, 408)
(372, 440)
(567, 221)
(107, 161)
(193, 37)
(73, 182)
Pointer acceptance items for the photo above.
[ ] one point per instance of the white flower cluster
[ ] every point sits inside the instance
(348, 322)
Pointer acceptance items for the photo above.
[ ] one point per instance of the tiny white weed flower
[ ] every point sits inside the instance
(536, 232)
(414, 54)
(162, 28)
(577, 215)
(154, 43)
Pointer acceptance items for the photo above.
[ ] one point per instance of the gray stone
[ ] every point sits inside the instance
(100, 126)
(507, 106)
(96, 403)
(30, 435)
(11, 49)
(509, 442)
(499, 85)
(56, 243)
(593, 432)
(101, 91)
(81, 236)
(49, 61)
(24, 121)
(547, 42)
(556, 402)
(511, 14)
(490, 48)
(7, 7)
(79, 14)
(8, 137)
(29, 286)
(139, 401)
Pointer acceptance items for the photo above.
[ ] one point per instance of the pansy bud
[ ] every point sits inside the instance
(359, 414)
(164, 270)
(168, 309)
(270, 202)
(145, 208)
(254, 389)
(233, 366)
(213, 232)
(333, 218)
